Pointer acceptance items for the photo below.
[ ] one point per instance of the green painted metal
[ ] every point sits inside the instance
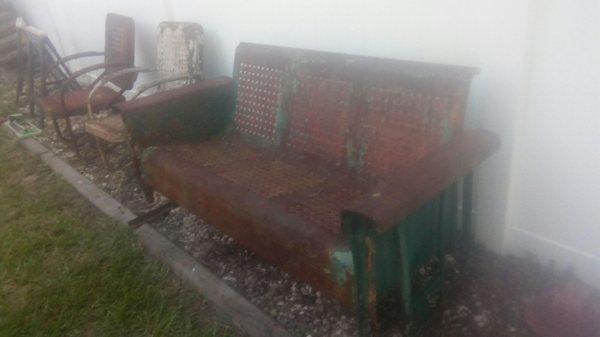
(342, 264)
(467, 207)
(356, 230)
(407, 267)
(21, 126)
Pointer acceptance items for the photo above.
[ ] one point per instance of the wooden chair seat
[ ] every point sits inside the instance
(110, 128)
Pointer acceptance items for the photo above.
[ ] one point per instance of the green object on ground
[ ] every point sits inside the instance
(67, 270)
(22, 127)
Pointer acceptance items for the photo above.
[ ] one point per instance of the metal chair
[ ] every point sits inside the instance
(67, 102)
(34, 52)
(178, 62)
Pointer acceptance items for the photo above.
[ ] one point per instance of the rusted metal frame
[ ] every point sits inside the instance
(358, 231)
(137, 113)
(405, 280)
(59, 73)
(46, 48)
(397, 198)
(102, 152)
(74, 76)
(265, 58)
(450, 216)
(191, 78)
(363, 68)
(467, 207)
(365, 72)
(64, 111)
(308, 246)
(178, 114)
(134, 153)
(392, 67)
(440, 208)
(120, 47)
(62, 62)
(107, 78)
(56, 56)
(361, 235)
(358, 228)
(444, 221)
(153, 214)
(101, 82)
(61, 65)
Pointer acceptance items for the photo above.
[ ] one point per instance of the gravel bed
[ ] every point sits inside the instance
(486, 297)
(301, 309)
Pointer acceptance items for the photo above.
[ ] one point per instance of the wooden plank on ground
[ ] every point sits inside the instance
(241, 312)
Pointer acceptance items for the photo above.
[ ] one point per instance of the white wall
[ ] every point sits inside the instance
(493, 35)
(556, 195)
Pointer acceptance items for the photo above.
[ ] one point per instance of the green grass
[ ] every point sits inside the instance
(66, 270)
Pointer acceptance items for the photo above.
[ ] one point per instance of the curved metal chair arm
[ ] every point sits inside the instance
(63, 61)
(75, 75)
(142, 89)
(107, 78)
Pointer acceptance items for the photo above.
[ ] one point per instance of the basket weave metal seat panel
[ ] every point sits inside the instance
(287, 211)
(315, 193)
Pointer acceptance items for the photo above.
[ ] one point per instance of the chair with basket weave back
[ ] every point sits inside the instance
(178, 62)
(69, 100)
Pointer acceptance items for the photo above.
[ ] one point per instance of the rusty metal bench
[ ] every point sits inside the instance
(344, 171)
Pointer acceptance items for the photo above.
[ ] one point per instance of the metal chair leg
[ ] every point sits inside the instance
(73, 140)
(59, 133)
(102, 154)
(468, 208)
(137, 172)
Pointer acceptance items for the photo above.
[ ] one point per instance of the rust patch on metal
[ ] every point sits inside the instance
(120, 48)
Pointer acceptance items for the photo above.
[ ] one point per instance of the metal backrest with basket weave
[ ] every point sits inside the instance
(178, 62)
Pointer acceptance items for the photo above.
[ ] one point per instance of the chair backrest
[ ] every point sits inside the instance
(120, 48)
(369, 114)
(179, 50)
(34, 53)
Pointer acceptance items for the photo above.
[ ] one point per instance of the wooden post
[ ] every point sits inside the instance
(20, 57)
(31, 77)
(41, 46)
